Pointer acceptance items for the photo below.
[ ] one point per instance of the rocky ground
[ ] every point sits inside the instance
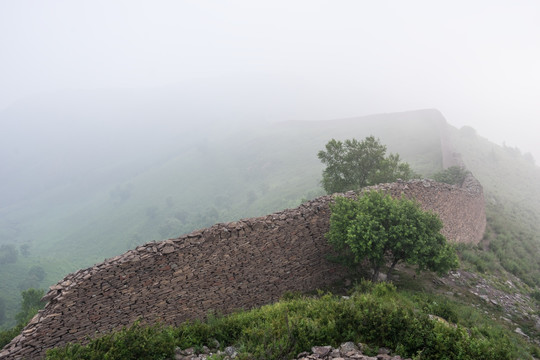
(505, 300)
(345, 351)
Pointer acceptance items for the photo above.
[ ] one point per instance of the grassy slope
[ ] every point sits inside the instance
(244, 173)
(512, 189)
(376, 315)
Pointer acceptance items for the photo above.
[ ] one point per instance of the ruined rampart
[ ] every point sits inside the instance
(225, 267)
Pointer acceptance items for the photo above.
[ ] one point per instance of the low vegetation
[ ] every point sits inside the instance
(374, 314)
(190, 182)
(454, 175)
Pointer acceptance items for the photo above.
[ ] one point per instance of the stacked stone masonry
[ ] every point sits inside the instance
(242, 264)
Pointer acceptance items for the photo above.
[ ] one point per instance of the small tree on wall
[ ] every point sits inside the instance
(384, 231)
(353, 164)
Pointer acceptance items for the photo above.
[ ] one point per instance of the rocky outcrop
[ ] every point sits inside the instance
(242, 264)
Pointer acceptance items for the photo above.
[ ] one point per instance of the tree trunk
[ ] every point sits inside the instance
(394, 263)
(375, 277)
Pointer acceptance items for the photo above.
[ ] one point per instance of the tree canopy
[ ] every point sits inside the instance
(384, 231)
(353, 164)
(8, 254)
(31, 303)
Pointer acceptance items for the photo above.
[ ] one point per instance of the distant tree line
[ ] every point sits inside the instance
(8, 254)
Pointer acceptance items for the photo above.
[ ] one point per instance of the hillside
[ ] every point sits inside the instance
(215, 176)
(256, 170)
(512, 186)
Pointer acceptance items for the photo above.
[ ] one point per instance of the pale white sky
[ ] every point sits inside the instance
(478, 62)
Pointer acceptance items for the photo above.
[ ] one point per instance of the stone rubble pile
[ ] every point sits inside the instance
(346, 351)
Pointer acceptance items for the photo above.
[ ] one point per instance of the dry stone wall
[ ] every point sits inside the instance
(462, 210)
(225, 267)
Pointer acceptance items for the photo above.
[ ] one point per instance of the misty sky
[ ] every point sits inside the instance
(478, 62)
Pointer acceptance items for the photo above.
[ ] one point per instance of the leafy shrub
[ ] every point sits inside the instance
(364, 286)
(454, 175)
(536, 295)
(438, 306)
(31, 304)
(135, 342)
(8, 254)
(7, 335)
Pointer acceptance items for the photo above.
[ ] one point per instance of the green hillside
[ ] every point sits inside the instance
(225, 176)
(227, 173)
(511, 184)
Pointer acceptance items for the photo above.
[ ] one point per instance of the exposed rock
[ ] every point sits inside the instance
(321, 351)
(348, 347)
(231, 352)
(520, 332)
(346, 351)
(513, 304)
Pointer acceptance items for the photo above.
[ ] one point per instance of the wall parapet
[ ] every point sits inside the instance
(228, 266)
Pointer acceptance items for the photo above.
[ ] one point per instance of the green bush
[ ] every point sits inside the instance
(31, 303)
(378, 317)
(454, 175)
(7, 335)
(135, 342)
(536, 295)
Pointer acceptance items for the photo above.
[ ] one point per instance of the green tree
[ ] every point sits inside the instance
(353, 164)
(31, 303)
(37, 272)
(384, 231)
(2, 311)
(8, 254)
(25, 250)
(454, 175)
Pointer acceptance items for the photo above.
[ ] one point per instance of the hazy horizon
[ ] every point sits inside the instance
(475, 62)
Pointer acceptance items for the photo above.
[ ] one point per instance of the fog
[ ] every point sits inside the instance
(127, 121)
(477, 62)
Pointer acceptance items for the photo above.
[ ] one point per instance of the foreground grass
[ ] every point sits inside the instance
(377, 315)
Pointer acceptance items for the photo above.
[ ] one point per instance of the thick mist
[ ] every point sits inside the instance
(130, 121)
(475, 62)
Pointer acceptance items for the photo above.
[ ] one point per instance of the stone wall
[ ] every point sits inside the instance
(462, 210)
(242, 264)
